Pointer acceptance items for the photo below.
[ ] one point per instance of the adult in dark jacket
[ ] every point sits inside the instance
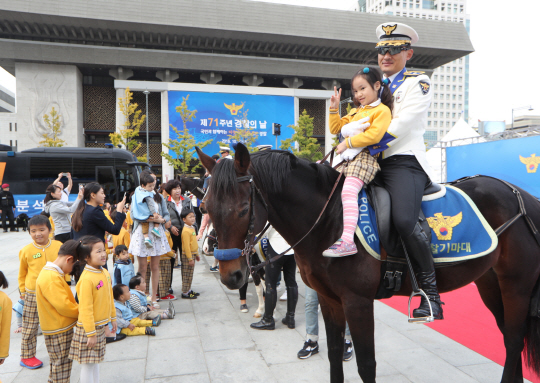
(7, 205)
(89, 218)
(175, 204)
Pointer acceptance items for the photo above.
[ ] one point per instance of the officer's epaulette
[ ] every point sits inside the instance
(413, 73)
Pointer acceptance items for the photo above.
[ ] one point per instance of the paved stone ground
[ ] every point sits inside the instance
(210, 341)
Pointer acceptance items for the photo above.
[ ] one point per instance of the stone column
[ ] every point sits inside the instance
(40, 87)
(120, 74)
(167, 169)
(252, 80)
(211, 77)
(293, 82)
(167, 75)
(330, 84)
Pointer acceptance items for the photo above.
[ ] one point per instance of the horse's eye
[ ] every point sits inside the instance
(243, 212)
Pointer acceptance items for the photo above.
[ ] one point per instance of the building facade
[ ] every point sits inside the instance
(450, 81)
(81, 56)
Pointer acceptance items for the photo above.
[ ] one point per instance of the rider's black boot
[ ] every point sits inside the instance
(292, 299)
(270, 300)
(419, 249)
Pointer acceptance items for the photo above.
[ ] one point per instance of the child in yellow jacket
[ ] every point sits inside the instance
(58, 311)
(96, 308)
(33, 258)
(5, 319)
(373, 99)
(190, 250)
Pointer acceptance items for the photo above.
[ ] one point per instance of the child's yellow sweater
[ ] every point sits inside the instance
(96, 302)
(5, 324)
(57, 309)
(33, 258)
(189, 242)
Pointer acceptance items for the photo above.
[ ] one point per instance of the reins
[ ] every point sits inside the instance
(268, 261)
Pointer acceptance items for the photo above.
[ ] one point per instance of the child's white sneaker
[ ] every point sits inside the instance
(156, 232)
(148, 243)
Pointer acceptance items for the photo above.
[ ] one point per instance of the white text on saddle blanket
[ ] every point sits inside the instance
(352, 129)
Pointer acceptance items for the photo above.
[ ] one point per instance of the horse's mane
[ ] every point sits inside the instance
(270, 169)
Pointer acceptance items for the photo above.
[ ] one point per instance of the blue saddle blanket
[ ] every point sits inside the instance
(458, 230)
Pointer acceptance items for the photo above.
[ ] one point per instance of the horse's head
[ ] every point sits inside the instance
(237, 212)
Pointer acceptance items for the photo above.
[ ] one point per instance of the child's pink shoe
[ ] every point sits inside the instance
(340, 249)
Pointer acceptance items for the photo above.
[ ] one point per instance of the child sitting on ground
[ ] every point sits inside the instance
(139, 303)
(123, 267)
(33, 258)
(5, 319)
(143, 207)
(190, 250)
(128, 323)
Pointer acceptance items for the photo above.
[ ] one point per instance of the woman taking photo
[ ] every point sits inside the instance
(60, 211)
(89, 218)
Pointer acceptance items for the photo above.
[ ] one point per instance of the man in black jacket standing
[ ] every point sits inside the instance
(7, 204)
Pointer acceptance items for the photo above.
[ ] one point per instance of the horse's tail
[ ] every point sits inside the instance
(531, 352)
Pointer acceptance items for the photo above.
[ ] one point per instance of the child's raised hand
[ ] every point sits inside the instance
(92, 341)
(334, 100)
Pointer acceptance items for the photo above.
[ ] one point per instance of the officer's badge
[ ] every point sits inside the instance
(388, 29)
(424, 87)
(398, 97)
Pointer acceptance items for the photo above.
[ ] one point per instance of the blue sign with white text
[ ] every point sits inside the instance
(32, 204)
(221, 114)
(514, 160)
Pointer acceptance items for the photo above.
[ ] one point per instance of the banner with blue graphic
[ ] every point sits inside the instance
(515, 160)
(220, 115)
(32, 204)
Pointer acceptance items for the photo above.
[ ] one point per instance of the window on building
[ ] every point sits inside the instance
(435, 114)
(10, 142)
(388, 2)
(460, 106)
(435, 123)
(460, 97)
(453, 115)
(447, 105)
(429, 114)
(453, 97)
(398, 4)
(398, 13)
(435, 105)
(436, 77)
(454, 78)
(447, 87)
(460, 78)
(461, 61)
(447, 124)
(460, 88)
(453, 106)
(447, 69)
(453, 87)
(448, 77)
(429, 123)
(10, 127)
(453, 69)
(15, 130)
(435, 96)
(447, 114)
(435, 86)
(448, 97)
(430, 135)
(460, 70)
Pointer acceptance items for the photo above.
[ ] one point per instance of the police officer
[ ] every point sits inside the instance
(225, 152)
(7, 205)
(404, 167)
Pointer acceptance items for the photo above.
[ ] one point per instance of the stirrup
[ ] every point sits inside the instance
(420, 320)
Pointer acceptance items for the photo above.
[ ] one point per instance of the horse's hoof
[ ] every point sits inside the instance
(257, 315)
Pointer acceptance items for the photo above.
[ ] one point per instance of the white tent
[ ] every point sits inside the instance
(460, 134)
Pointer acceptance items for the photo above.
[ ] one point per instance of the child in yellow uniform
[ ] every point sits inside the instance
(129, 323)
(33, 258)
(5, 319)
(123, 238)
(96, 308)
(190, 250)
(373, 100)
(58, 311)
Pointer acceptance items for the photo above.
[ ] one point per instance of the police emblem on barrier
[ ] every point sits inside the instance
(444, 225)
(424, 87)
(531, 163)
(388, 29)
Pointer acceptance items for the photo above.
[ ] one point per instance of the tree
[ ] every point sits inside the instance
(133, 119)
(307, 146)
(245, 134)
(54, 127)
(183, 146)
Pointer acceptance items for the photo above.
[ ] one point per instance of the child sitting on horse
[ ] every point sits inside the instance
(363, 128)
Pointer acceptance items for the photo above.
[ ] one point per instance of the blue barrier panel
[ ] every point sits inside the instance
(219, 114)
(513, 160)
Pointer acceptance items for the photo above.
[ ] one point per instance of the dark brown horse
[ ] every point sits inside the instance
(295, 191)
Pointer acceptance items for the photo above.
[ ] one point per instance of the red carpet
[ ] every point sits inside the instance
(477, 330)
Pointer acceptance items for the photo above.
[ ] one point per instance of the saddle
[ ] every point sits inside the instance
(394, 269)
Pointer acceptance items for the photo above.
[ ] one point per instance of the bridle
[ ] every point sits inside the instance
(250, 241)
(197, 187)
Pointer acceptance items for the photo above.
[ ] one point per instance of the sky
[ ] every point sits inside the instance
(503, 37)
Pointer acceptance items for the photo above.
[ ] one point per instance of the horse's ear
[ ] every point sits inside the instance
(207, 161)
(241, 159)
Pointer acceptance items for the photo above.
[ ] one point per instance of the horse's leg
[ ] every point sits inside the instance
(260, 309)
(490, 292)
(361, 322)
(516, 309)
(334, 321)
